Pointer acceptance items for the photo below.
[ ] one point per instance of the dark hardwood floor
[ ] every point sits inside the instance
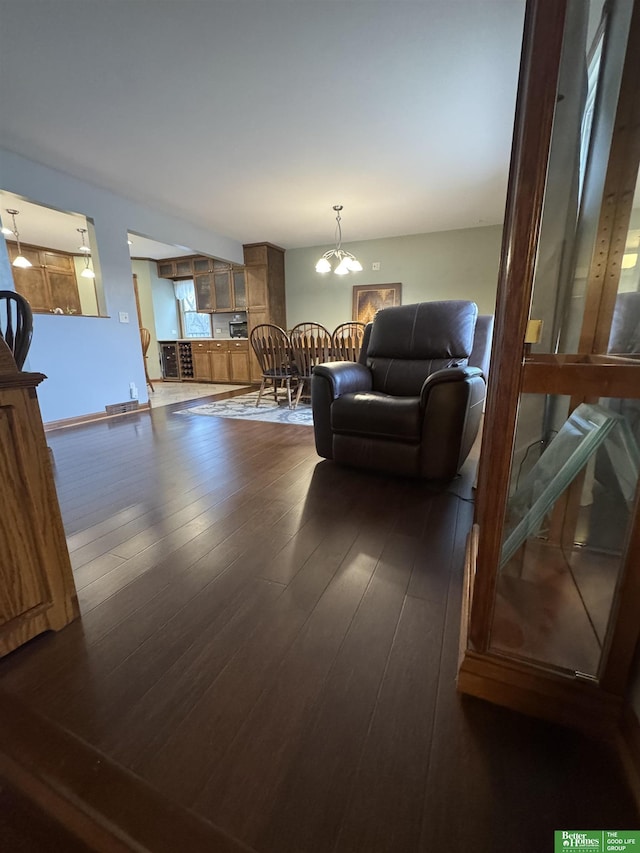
(270, 641)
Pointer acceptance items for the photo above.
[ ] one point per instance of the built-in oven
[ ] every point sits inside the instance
(238, 328)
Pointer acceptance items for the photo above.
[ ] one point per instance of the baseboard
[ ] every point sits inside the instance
(94, 799)
(65, 423)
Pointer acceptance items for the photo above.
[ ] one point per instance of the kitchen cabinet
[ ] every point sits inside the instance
(265, 291)
(175, 268)
(50, 282)
(221, 288)
(220, 360)
(219, 355)
(201, 361)
(239, 362)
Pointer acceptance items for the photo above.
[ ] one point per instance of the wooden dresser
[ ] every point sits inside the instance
(37, 590)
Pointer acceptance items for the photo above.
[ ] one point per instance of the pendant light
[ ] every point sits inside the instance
(87, 272)
(346, 262)
(20, 260)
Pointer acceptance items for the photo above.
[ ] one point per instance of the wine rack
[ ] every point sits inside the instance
(186, 360)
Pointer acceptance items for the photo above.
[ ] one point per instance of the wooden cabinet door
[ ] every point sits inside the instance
(220, 362)
(63, 286)
(239, 368)
(239, 288)
(32, 284)
(203, 284)
(51, 281)
(56, 262)
(201, 361)
(184, 267)
(222, 291)
(202, 265)
(256, 285)
(255, 253)
(64, 292)
(32, 255)
(32, 281)
(166, 269)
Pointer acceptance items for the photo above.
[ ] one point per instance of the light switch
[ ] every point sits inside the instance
(124, 317)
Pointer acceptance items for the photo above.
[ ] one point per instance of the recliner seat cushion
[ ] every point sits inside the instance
(378, 415)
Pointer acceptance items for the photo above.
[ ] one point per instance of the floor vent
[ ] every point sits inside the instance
(121, 408)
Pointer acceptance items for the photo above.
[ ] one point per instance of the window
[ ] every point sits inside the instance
(194, 323)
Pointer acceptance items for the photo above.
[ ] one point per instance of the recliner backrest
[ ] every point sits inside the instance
(482, 340)
(408, 343)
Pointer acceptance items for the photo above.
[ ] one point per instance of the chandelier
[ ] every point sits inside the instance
(87, 272)
(19, 260)
(346, 262)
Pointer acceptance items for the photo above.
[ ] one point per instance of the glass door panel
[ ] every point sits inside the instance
(239, 289)
(222, 289)
(571, 502)
(570, 252)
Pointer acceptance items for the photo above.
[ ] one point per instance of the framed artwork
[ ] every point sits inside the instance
(369, 298)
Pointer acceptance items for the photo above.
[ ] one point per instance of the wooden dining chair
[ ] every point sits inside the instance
(347, 341)
(16, 330)
(310, 345)
(16, 324)
(145, 340)
(272, 347)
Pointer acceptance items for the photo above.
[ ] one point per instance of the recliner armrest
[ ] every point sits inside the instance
(447, 374)
(345, 377)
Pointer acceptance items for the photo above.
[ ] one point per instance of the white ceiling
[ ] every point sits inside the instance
(254, 118)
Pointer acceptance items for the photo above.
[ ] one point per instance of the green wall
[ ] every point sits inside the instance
(460, 264)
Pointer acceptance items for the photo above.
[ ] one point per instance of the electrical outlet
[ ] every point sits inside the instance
(375, 265)
(124, 317)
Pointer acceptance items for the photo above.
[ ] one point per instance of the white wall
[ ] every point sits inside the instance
(157, 308)
(90, 361)
(165, 309)
(460, 264)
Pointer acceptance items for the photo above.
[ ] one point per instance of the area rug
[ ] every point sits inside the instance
(244, 408)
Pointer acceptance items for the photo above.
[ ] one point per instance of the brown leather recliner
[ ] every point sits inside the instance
(413, 404)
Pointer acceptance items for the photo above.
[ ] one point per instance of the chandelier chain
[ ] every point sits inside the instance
(16, 233)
